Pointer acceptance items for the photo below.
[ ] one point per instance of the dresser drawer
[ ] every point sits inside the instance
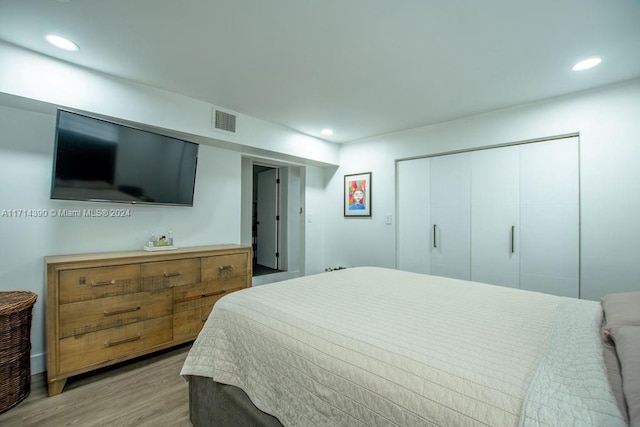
(187, 324)
(99, 282)
(165, 274)
(91, 316)
(204, 294)
(226, 268)
(192, 305)
(99, 347)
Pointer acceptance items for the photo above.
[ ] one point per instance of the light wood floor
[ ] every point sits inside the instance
(146, 392)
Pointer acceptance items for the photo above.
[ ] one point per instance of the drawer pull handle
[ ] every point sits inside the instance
(225, 267)
(109, 282)
(211, 294)
(121, 310)
(172, 274)
(123, 341)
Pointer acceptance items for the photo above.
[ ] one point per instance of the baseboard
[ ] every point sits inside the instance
(37, 380)
(38, 363)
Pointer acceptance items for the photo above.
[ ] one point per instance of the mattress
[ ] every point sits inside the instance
(373, 346)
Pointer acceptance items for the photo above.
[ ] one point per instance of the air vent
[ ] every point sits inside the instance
(225, 121)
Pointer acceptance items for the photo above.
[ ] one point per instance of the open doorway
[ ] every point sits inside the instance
(279, 256)
(266, 220)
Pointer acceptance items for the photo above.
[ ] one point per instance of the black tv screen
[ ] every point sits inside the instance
(99, 160)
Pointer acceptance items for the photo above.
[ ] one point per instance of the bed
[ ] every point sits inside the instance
(371, 346)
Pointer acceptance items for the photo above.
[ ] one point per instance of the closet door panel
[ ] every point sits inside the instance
(549, 172)
(413, 216)
(550, 253)
(450, 230)
(495, 207)
(507, 216)
(550, 217)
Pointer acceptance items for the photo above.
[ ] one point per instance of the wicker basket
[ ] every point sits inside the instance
(15, 347)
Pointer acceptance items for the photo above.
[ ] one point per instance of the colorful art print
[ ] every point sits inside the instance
(357, 195)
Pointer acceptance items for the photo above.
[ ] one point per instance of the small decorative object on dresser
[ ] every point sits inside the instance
(105, 308)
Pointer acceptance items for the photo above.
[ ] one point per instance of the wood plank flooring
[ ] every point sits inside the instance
(146, 392)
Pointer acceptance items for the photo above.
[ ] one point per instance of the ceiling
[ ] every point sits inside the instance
(361, 67)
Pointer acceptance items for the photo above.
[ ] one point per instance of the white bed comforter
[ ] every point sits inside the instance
(378, 347)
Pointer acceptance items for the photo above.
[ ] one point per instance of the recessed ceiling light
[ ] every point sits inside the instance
(61, 42)
(585, 64)
(327, 132)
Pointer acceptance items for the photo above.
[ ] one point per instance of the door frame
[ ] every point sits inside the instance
(292, 205)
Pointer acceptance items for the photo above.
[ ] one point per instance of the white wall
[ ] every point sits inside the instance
(314, 218)
(30, 75)
(356, 241)
(25, 179)
(608, 123)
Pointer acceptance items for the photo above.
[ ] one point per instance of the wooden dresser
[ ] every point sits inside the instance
(105, 308)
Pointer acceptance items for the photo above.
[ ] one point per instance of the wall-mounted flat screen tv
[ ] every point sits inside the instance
(100, 160)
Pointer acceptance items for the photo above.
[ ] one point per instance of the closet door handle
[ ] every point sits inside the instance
(434, 236)
(513, 232)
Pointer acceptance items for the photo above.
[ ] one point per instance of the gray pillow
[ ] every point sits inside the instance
(627, 340)
(614, 375)
(621, 309)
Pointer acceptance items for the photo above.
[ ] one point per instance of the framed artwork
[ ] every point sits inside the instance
(357, 195)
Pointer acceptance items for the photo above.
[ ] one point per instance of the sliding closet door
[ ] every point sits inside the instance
(549, 214)
(413, 217)
(450, 230)
(495, 216)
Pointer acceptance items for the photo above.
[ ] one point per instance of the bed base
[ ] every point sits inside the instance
(220, 405)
